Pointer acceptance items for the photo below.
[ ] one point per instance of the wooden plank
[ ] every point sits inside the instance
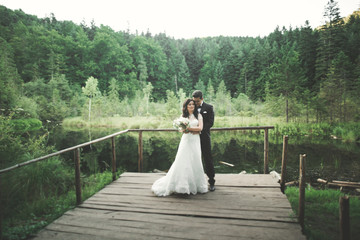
(242, 207)
(218, 202)
(238, 180)
(47, 234)
(233, 214)
(174, 227)
(163, 218)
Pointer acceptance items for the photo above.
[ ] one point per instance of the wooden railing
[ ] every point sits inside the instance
(76, 150)
(266, 141)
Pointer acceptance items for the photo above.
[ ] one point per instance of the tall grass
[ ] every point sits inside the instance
(322, 212)
(37, 194)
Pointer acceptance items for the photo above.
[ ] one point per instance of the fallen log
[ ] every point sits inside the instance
(339, 183)
(347, 182)
(292, 183)
(321, 180)
(228, 164)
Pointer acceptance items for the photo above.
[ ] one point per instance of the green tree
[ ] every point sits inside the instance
(193, 51)
(222, 101)
(155, 60)
(109, 59)
(201, 86)
(112, 99)
(143, 75)
(331, 39)
(286, 76)
(147, 90)
(91, 90)
(9, 79)
(171, 104)
(60, 83)
(336, 88)
(182, 96)
(307, 45)
(210, 92)
(182, 72)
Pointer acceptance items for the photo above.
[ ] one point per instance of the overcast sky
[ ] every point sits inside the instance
(187, 18)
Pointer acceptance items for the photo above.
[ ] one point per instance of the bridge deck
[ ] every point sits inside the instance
(244, 206)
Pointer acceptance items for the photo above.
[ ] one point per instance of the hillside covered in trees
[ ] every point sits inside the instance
(50, 69)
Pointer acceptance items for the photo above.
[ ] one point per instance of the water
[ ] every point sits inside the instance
(327, 159)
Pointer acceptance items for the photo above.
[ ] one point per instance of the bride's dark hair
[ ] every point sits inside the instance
(186, 112)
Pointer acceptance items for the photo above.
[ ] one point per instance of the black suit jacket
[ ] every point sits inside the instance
(207, 112)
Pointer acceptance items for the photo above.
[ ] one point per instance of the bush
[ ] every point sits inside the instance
(25, 125)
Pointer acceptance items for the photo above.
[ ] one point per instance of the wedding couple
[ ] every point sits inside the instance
(186, 174)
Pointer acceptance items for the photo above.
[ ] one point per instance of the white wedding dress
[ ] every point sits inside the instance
(186, 174)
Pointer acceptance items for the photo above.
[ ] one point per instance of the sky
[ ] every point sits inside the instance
(187, 18)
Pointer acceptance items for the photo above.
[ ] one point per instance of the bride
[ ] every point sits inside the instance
(186, 174)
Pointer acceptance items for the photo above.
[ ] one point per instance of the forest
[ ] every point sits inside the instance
(54, 71)
(51, 70)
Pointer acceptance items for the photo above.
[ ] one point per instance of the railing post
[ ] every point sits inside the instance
(283, 163)
(302, 190)
(140, 150)
(77, 175)
(266, 151)
(113, 159)
(344, 211)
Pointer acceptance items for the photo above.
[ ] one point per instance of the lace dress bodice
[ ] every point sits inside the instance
(193, 121)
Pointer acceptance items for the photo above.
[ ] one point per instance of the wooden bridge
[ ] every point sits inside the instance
(244, 206)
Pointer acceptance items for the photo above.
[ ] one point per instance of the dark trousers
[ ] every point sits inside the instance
(206, 153)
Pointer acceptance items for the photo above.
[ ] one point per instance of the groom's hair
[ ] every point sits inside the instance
(197, 94)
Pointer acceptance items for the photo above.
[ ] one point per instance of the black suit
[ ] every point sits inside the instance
(207, 113)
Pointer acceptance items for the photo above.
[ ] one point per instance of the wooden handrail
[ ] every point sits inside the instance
(60, 152)
(135, 130)
(266, 141)
(212, 129)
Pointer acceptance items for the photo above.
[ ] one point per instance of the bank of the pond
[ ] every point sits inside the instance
(348, 132)
(24, 216)
(322, 212)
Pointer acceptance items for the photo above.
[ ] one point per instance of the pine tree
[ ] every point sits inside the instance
(201, 86)
(331, 39)
(307, 45)
(287, 77)
(210, 92)
(9, 79)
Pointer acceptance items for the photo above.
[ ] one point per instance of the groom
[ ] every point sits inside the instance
(206, 110)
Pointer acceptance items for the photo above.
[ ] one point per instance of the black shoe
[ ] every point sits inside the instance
(212, 188)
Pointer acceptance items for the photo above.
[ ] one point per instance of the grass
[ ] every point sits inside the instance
(36, 214)
(322, 212)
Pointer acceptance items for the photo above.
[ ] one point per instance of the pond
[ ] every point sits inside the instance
(328, 159)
